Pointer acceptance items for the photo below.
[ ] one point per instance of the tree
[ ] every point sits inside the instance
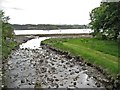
(7, 35)
(105, 20)
(7, 30)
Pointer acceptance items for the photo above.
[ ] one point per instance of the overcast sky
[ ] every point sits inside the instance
(49, 11)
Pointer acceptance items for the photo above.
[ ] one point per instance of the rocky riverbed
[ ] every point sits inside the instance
(43, 68)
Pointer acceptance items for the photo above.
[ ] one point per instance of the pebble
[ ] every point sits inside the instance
(41, 64)
(22, 81)
(61, 84)
(77, 71)
(74, 83)
(9, 62)
(56, 79)
(88, 84)
(62, 61)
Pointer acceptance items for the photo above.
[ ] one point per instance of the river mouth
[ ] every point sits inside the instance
(30, 65)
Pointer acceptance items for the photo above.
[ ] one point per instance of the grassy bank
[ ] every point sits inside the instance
(98, 52)
(7, 47)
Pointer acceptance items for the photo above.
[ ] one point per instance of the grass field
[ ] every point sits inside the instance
(102, 53)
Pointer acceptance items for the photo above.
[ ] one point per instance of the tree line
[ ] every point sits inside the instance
(105, 20)
(47, 27)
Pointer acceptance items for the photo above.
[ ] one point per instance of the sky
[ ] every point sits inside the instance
(48, 11)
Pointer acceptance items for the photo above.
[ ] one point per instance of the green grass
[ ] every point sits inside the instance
(7, 47)
(99, 52)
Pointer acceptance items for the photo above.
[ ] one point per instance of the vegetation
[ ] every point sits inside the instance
(7, 36)
(102, 53)
(105, 20)
(47, 27)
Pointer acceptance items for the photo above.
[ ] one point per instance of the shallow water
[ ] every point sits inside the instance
(34, 43)
(31, 64)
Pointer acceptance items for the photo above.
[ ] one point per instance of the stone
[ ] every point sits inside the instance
(71, 73)
(10, 56)
(56, 79)
(97, 84)
(57, 85)
(61, 75)
(29, 83)
(41, 61)
(77, 71)
(52, 63)
(67, 63)
(74, 83)
(50, 79)
(43, 69)
(46, 61)
(9, 62)
(88, 84)
(105, 80)
(62, 61)
(33, 83)
(89, 64)
(61, 84)
(83, 68)
(71, 65)
(53, 68)
(22, 81)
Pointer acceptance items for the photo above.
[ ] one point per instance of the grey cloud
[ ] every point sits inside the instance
(110, 0)
(4, 7)
(1, 1)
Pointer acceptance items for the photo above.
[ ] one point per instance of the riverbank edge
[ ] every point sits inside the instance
(114, 82)
(19, 42)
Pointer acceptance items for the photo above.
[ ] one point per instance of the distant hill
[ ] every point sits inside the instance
(47, 27)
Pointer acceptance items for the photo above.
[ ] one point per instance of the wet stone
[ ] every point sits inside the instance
(62, 61)
(61, 84)
(98, 85)
(57, 85)
(9, 62)
(43, 69)
(41, 61)
(83, 68)
(77, 71)
(61, 75)
(50, 79)
(71, 73)
(74, 83)
(52, 63)
(48, 67)
(88, 84)
(56, 79)
(23, 81)
(54, 76)
(29, 83)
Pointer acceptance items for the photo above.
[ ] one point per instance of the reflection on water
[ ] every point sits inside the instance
(34, 43)
(63, 31)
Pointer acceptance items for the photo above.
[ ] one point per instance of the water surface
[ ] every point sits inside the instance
(61, 31)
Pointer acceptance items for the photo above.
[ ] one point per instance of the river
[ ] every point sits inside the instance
(31, 66)
(60, 31)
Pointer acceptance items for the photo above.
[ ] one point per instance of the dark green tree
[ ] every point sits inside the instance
(6, 36)
(105, 20)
